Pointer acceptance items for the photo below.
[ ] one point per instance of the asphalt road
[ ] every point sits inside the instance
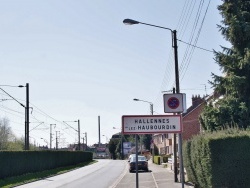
(103, 174)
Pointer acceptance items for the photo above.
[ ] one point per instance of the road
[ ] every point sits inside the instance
(110, 174)
(103, 174)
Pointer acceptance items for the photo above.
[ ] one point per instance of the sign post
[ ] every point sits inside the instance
(152, 124)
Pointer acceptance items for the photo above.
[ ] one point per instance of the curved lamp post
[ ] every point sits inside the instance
(174, 45)
(150, 103)
(152, 113)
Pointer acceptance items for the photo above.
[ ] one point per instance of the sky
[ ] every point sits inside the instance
(82, 62)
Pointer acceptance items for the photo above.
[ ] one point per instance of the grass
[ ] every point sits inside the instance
(31, 177)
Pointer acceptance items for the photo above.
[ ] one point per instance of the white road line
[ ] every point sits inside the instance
(154, 180)
(120, 178)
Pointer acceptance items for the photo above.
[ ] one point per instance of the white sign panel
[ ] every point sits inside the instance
(151, 124)
(174, 103)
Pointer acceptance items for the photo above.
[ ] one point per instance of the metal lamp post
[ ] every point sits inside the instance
(150, 103)
(152, 113)
(174, 45)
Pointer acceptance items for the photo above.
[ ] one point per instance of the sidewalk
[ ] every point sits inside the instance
(164, 177)
(158, 177)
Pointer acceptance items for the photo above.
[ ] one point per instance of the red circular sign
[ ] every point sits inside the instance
(173, 103)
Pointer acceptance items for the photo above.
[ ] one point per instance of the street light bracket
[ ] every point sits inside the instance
(132, 22)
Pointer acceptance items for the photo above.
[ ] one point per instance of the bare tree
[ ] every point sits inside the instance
(5, 133)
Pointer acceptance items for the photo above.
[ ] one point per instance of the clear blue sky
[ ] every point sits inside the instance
(82, 62)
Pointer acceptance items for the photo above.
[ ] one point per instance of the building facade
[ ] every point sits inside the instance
(191, 127)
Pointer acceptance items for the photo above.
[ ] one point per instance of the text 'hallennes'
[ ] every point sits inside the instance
(151, 121)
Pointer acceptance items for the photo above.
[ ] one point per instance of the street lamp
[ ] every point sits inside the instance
(174, 45)
(152, 113)
(26, 140)
(150, 103)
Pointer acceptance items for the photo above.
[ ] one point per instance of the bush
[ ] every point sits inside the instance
(218, 160)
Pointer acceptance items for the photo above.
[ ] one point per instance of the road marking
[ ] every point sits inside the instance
(120, 178)
(154, 180)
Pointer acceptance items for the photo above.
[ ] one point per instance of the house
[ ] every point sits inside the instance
(191, 127)
(190, 119)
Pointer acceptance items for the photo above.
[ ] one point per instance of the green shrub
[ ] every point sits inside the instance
(218, 159)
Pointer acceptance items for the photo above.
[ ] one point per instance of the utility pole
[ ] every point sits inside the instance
(99, 131)
(79, 142)
(86, 139)
(174, 45)
(83, 143)
(27, 119)
(152, 136)
(175, 156)
(178, 91)
(56, 141)
(51, 135)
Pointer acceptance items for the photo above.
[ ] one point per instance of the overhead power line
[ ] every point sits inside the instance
(195, 46)
(13, 98)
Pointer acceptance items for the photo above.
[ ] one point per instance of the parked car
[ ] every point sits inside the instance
(142, 163)
(130, 156)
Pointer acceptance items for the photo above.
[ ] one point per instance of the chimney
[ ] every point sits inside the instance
(196, 100)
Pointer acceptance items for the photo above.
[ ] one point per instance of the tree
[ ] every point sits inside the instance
(146, 139)
(233, 109)
(5, 132)
(112, 146)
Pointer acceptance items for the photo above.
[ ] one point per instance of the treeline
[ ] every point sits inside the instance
(8, 141)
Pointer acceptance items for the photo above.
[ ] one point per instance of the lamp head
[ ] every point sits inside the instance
(136, 99)
(130, 22)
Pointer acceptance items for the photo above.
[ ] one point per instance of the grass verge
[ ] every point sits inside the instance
(27, 178)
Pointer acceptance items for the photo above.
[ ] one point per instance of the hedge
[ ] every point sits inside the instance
(218, 160)
(14, 163)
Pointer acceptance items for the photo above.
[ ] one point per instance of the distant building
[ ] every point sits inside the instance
(74, 147)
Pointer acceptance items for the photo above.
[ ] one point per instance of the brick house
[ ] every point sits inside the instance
(191, 127)
(190, 119)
